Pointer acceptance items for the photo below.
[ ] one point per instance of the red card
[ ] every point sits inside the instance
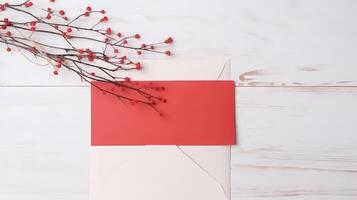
(196, 113)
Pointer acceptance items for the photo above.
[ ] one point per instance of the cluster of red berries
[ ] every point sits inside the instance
(28, 4)
(90, 56)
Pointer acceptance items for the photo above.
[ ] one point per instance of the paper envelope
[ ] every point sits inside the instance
(189, 169)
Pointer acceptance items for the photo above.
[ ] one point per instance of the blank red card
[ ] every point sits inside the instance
(196, 113)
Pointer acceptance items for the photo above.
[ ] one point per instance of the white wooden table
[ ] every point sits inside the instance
(295, 66)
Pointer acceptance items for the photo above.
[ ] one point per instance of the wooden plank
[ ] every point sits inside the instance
(44, 143)
(294, 143)
(279, 43)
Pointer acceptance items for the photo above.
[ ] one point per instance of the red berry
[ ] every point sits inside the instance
(29, 4)
(61, 12)
(8, 33)
(102, 11)
(93, 74)
(139, 53)
(49, 9)
(104, 19)
(109, 31)
(52, 1)
(55, 72)
(69, 30)
(66, 18)
(33, 29)
(168, 53)
(143, 45)
(119, 34)
(48, 16)
(89, 8)
(116, 51)
(8, 49)
(125, 41)
(169, 40)
(59, 65)
(33, 49)
(86, 14)
(33, 23)
(90, 57)
(138, 66)
(137, 36)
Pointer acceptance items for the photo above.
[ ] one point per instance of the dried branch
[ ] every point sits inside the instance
(90, 64)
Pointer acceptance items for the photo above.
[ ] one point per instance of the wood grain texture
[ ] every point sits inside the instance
(294, 143)
(295, 67)
(275, 43)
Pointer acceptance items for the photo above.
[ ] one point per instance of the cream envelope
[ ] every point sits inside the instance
(164, 172)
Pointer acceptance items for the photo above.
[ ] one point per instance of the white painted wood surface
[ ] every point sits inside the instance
(295, 67)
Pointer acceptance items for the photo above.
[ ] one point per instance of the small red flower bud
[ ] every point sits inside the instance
(168, 53)
(55, 72)
(139, 53)
(48, 16)
(137, 36)
(29, 4)
(58, 65)
(119, 34)
(127, 79)
(33, 49)
(92, 74)
(89, 8)
(102, 11)
(8, 49)
(90, 57)
(6, 20)
(152, 47)
(138, 66)
(86, 14)
(125, 41)
(106, 40)
(109, 31)
(66, 18)
(61, 12)
(49, 9)
(33, 23)
(116, 51)
(8, 33)
(169, 40)
(33, 29)
(69, 30)
(3, 27)
(104, 19)
(143, 46)
(52, 1)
